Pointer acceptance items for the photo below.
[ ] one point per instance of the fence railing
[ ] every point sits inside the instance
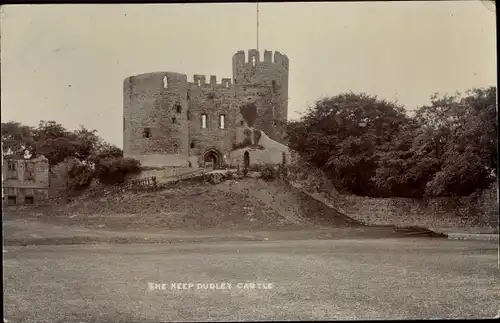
(143, 184)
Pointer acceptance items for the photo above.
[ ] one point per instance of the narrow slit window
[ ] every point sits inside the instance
(146, 133)
(178, 108)
(274, 86)
(222, 121)
(192, 144)
(165, 82)
(253, 60)
(174, 120)
(176, 149)
(188, 115)
(203, 121)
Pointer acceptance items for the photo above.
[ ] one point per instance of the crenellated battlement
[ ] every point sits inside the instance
(201, 81)
(253, 57)
(172, 115)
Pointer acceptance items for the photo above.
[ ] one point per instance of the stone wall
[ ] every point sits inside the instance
(271, 151)
(26, 178)
(211, 100)
(266, 83)
(477, 212)
(162, 160)
(462, 214)
(162, 174)
(155, 103)
(169, 109)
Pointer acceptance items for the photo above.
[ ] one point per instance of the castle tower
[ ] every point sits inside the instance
(155, 121)
(263, 84)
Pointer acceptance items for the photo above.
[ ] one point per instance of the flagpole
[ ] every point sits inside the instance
(257, 25)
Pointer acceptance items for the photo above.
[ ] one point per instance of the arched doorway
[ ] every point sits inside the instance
(212, 158)
(246, 159)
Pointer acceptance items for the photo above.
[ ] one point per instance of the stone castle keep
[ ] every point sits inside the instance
(169, 121)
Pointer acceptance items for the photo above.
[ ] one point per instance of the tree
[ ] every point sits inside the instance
(341, 135)
(104, 150)
(464, 139)
(59, 144)
(56, 150)
(17, 139)
(86, 142)
(449, 148)
(406, 163)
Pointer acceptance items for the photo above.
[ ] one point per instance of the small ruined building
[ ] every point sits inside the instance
(170, 122)
(25, 182)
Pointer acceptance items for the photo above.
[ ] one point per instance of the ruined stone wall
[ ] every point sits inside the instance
(213, 100)
(26, 178)
(265, 105)
(156, 103)
(264, 82)
(32, 173)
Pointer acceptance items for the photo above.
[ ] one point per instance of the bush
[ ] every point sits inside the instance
(80, 177)
(114, 170)
(268, 173)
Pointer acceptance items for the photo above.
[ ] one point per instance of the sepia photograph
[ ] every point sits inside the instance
(249, 161)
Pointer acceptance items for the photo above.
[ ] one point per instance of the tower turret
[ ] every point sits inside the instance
(263, 84)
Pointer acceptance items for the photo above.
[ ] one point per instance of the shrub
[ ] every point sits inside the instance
(79, 177)
(268, 172)
(114, 170)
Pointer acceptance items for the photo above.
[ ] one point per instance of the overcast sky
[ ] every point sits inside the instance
(67, 62)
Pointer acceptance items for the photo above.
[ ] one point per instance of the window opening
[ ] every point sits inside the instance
(203, 121)
(222, 121)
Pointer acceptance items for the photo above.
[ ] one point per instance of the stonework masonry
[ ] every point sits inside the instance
(169, 121)
(25, 181)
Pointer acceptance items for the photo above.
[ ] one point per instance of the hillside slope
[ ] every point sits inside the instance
(243, 204)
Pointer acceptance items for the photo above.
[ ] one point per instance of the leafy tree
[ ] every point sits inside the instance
(341, 135)
(105, 151)
(449, 149)
(85, 141)
(463, 132)
(59, 144)
(17, 139)
(56, 150)
(405, 164)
